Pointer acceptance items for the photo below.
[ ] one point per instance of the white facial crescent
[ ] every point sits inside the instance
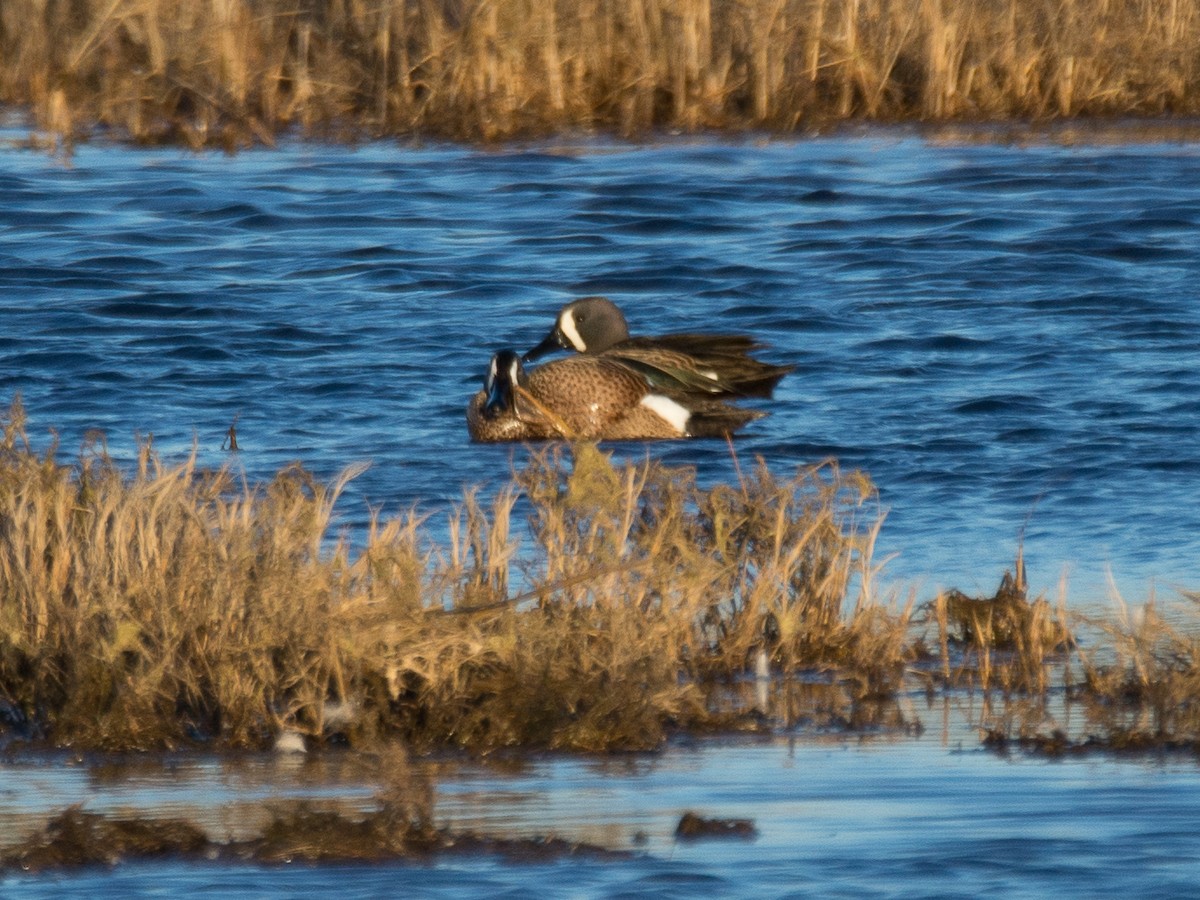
(566, 324)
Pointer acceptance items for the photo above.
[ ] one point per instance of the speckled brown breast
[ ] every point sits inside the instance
(579, 397)
(597, 399)
(507, 426)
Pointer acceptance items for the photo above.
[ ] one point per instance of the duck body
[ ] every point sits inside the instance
(589, 398)
(679, 365)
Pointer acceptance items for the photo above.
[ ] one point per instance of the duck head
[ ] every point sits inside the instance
(590, 325)
(505, 373)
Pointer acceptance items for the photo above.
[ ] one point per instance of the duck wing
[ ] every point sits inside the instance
(700, 365)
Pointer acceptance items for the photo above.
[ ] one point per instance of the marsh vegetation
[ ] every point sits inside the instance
(586, 605)
(168, 604)
(237, 72)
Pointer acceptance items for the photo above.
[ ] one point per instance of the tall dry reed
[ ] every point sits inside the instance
(643, 594)
(148, 607)
(231, 72)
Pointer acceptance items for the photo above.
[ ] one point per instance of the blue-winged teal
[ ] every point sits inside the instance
(679, 365)
(588, 398)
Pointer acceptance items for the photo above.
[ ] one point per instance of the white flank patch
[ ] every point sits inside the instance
(514, 371)
(566, 324)
(713, 375)
(667, 409)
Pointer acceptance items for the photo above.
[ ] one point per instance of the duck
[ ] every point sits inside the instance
(588, 398)
(678, 365)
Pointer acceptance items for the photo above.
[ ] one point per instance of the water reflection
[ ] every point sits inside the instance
(922, 810)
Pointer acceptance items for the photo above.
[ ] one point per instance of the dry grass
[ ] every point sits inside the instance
(585, 606)
(1138, 691)
(1005, 642)
(148, 608)
(168, 604)
(1142, 686)
(232, 72)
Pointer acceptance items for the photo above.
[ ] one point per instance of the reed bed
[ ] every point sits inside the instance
(167, 605)
(586, 605)
(236, 72)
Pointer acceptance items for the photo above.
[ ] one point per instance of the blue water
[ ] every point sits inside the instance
(885, 818)
(1005, 337)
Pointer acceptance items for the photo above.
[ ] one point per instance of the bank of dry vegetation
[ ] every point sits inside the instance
(587, 605)
(166, 604)
(235, 72)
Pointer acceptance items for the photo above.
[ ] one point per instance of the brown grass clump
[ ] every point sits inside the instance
(645, 592)
(1144, 684)
(234, 72)
(765, 563)
(165, 604)
(168, 604)
(1005, 641)
(1139, 692)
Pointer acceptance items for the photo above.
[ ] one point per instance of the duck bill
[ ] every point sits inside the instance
(499, 399)
(555, 340)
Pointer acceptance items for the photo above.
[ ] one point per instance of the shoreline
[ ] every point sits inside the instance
(21, 131)
(241, 73)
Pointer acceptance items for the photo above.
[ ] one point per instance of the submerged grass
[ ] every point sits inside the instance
(169, 605)
(1136, 689)
(236, 72)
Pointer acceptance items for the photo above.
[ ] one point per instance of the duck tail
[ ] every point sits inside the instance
(756, 379)
(720, 420)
